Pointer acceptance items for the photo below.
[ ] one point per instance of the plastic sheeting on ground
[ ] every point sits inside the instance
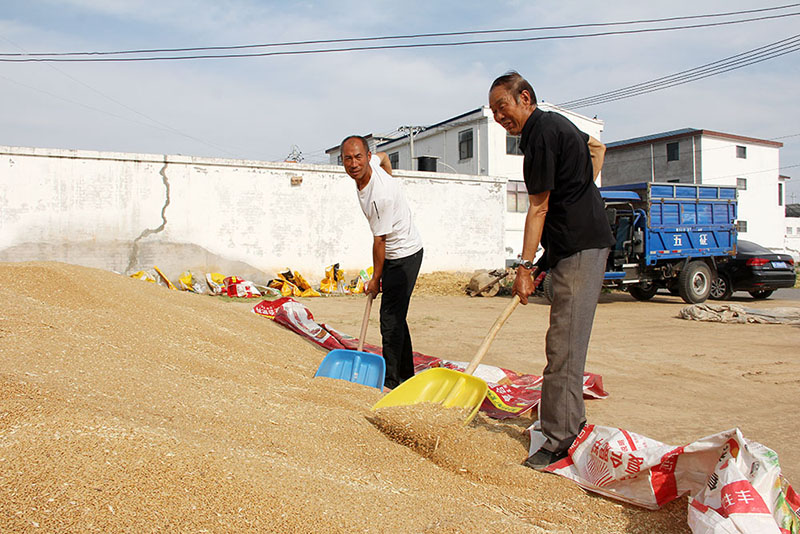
(734, 484)
(510, 394)
(733, 313)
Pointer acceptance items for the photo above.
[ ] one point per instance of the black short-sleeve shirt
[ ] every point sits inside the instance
(557, 160)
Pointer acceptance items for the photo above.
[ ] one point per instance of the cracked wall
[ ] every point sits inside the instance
(132, 260)
(125, 212)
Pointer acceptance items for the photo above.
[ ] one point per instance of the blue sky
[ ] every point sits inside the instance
(257, 108)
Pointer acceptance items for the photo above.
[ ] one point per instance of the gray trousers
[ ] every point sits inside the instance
(577, 281)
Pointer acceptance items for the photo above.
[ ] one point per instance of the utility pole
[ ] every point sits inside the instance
(411, 130)
(295, 155)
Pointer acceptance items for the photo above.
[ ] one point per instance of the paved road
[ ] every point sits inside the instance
(790, 294)
(787, 294)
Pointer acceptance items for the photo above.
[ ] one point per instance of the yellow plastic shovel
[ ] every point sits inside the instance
(450, 388)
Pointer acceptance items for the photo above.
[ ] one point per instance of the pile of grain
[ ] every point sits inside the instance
(442, 283)
(128, 407)
(421, 426)
(439, 434)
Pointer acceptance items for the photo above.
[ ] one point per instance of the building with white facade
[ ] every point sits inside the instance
(474, 144)
(707, 157)
(792, 239)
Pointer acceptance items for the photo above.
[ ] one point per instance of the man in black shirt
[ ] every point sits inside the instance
(566, 215)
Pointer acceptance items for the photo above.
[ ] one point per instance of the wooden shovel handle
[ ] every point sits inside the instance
(364, 322)
(490, 284)
(484, 348)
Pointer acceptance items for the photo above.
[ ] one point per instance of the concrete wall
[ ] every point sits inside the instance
(648, 163)
(126, 212)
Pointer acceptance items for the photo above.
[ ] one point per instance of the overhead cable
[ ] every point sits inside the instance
(399, 37)
(744, 59)
(30, 59)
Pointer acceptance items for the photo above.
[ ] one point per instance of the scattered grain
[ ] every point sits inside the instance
(128, 407)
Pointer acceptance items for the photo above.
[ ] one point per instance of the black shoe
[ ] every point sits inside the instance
(542, 458)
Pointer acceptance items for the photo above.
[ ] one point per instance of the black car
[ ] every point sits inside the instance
(754, 269)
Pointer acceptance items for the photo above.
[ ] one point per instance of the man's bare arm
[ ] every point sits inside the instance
(386, 165)
(532, 235)
(378, 257)
(597, 151)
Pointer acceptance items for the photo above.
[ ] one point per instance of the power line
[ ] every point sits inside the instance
(159, 125)
(398, 37)
(76, 102)
(785, 136)
(385, 47)
(744, 59)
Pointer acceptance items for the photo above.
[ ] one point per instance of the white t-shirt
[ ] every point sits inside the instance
(384, 204)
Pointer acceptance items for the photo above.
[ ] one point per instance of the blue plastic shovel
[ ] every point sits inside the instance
(355, 365)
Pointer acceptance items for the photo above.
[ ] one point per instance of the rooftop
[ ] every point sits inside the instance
(688, 132)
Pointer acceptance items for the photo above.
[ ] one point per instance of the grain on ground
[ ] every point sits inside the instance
(125, 406)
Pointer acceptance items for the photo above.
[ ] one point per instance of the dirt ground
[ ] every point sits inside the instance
(669, 379)
(128, 407)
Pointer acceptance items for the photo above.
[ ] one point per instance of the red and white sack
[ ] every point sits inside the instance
(238, 287)
(297, 318)
(735, 485)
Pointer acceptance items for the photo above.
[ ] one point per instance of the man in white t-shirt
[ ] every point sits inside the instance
(396, 250)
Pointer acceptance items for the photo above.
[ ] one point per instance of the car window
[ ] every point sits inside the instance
(748, 247)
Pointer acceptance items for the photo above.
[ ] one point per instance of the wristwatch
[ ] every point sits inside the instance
(527, 264)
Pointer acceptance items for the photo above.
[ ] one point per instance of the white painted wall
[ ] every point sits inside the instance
(792, 239)
(758, 204)
(231, 216)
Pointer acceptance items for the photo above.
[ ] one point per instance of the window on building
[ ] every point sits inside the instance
(788, 230)
(394, 159)
(741, 152)
(674, 181)
(517, 197)
(512, 144)
(780, 194)
(672, 151)
(465, 144)
(741, 226)
(339, 159)
(741, 184)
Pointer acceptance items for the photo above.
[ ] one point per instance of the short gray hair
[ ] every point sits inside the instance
(515, 84)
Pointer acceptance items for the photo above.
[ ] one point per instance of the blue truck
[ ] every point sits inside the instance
(669, 235)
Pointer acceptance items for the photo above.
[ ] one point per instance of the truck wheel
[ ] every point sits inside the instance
(761, 293)
(694, 282)
(720, 288)
(547, 287)
(643, 291)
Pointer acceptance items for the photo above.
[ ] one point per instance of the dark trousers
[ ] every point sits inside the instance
(397, 284)
(577, 281)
